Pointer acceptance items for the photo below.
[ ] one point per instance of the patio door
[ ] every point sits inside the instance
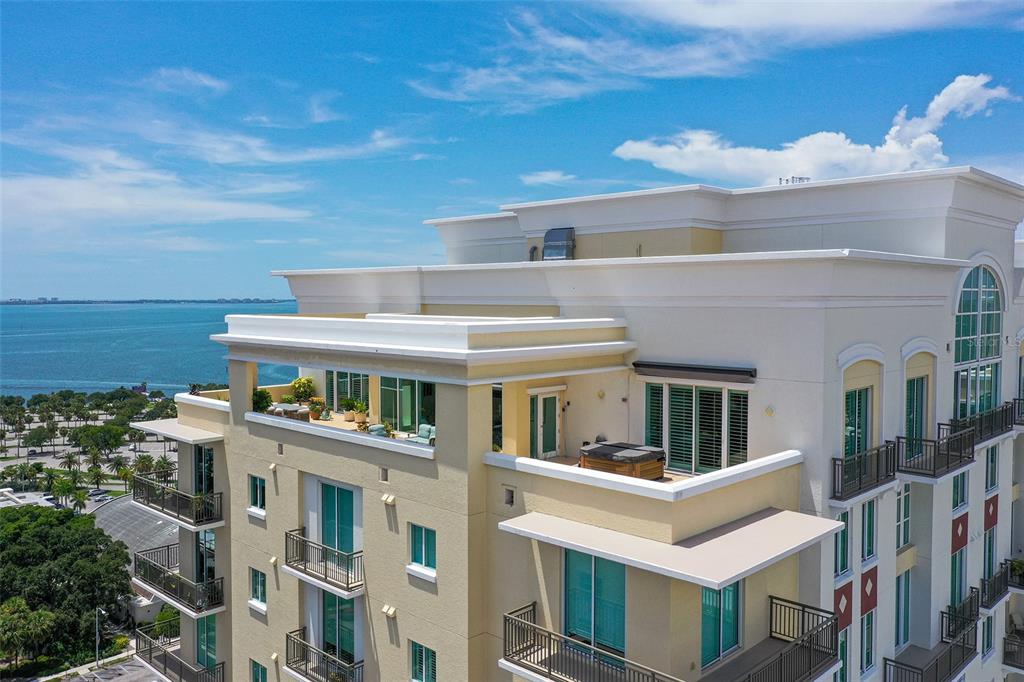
(545, 425)
(206, 641)
(336, 517)
(202, 470)
(338, 626)
(595, 601)
(205, 556)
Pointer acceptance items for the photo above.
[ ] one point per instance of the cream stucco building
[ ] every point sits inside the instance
(686, 434)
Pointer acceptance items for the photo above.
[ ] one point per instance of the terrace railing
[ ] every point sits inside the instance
(935, 457)
(987, 424)
(995, 588)
(344, 569)
(863, 471)
(557, 657)
(317, 665)
(813, 636)
(1013, 652)
(158, 646)
(158, 568)
(958, 617)
(946, 665)
(159, 491)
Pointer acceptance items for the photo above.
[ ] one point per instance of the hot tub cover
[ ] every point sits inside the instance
(622, 452)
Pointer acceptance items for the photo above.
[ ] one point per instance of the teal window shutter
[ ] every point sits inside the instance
(737, 427)
(710, 625)
(730, 616)
(578, 598)
(341, 381)
(654, 416)
(609, 604)
(533, 426)
(709, 429)
(329, 388)
(680, 427)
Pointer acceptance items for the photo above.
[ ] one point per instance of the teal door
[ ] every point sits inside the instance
(205, 556)
(857, 432)
(916, 415)
(543, 425)
(595, 601)
(339, 626)
(719, 622)
(206, 641)
(336, 517)
(202, 469)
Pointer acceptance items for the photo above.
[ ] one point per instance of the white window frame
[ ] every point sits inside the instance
(903, 515)
(991, 468)
(903, 587)
(965, 489)
(540, 395)
(869, 533)
(869, 616)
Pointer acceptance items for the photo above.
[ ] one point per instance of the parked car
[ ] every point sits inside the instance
(102, 498)
(96, 492)
(33, 452)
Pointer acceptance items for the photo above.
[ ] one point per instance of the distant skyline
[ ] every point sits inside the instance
(165, 150)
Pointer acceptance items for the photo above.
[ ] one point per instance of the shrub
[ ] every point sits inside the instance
(288, 399)
(261, 400)
(348, 404)
(317, 403)
(303, 388)
(360, 408)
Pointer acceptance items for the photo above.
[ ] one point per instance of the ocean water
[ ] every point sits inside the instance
(98, 347)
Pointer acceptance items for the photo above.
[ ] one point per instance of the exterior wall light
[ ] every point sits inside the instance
(389, 610)
(389, 500)
(273, 466)
(273, 561)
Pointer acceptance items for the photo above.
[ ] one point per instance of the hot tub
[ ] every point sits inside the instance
(626, 459)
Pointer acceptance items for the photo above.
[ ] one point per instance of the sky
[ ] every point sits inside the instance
(164, 150)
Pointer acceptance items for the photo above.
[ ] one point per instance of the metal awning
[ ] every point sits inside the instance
(714, 559)
(171, 429)
(741, 375)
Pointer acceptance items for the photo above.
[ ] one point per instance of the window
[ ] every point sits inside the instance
(257, 492)
(857, 426)
(202, 472)
(992, 467)
(703, 428)
(957, 577)
(902, 609)
(424, 546)
(960, 489)
(347, 385)
(257, 673)
(867, 641)
(407, 404)
(990, 553)
(979, 325)
(841, 675)
(917, 415)
(206, 641)
(338, 626)
(719, 622)
(903, 516)
(867, 530)
(257, 586)
(595, 601)
(383, 475)
(842, 546)
(986, 636)
(424, 663)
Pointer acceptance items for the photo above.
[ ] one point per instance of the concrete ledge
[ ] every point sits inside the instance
(179, 522)
(200, 401)
(355, 438)
(181, 606)
(316, 582)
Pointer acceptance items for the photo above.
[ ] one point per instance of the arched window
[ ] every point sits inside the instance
(979, 324)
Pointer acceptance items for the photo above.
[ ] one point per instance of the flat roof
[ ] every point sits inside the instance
(469, 218)
(170, 428)
(713, 559)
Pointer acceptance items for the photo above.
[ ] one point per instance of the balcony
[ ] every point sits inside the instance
(158, 491)
(157, 646)
(309, 663)
(987, 424)
(557, 657)
(863, 471)
(158, 569)
(1015, 574)
(935, 457)
(1013, 652)
(957, 648)
(995, 588)
(342, 570)
(957, 618)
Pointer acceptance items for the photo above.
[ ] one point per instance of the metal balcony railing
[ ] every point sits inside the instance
(935, 457)
(157, 568)
(958, 617)
(159, 491)
(157, 646)
(344, 569)
(953, 657)
(1013, 652)
(317, 665)
(813, 636)
(995, 588)
(863, 471)
(557, 657)
(987, 424)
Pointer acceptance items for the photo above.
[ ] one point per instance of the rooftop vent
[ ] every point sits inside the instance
(559, 243)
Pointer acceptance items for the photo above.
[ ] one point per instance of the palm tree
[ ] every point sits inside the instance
(25, 473)
(163, 463)
(78, 500)
(95, 476)
(116, 462)
(69, 460)
(49, 478)
(125, 474)
(144, 463)
(94, 457)
(64, 432)
(63, 488)
(75, 476)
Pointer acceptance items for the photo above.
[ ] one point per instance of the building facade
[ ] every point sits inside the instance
(669, 435)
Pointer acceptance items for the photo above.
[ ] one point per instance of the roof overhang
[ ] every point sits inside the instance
(713, 559)
(173, 430)
(739, 375)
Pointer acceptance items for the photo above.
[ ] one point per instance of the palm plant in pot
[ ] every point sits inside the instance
(316, 407)
(348, 406)
(361, 411)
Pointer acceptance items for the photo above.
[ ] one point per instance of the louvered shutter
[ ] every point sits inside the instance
(680, 427)
(652, 432)
(329, 388)
(737, 427)
(709, 429)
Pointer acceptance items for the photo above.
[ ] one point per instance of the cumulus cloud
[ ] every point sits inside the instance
(320, 110)
(910, 144)
(184, 80)
(546, 177)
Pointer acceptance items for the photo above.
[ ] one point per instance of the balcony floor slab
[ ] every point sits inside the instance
(177, 521)
(323, 584)
(180, 606)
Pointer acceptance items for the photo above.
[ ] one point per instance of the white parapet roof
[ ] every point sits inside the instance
(714, 559)
(173, 430)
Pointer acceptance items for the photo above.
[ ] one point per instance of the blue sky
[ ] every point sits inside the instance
(185, 150)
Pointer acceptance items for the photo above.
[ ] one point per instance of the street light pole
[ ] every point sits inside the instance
(98, 612)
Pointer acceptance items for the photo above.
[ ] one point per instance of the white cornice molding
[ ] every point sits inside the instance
(920, 344)
(334, 433)
(858, 352)
(202, 401)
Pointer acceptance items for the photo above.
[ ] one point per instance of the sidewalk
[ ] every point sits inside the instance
(91, 672)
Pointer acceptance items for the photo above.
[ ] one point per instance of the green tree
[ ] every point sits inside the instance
(78, 500)
(75, 476)
(125, 474)
(144, 463)
(93, 457)
(95, 476)
(13, 637)
(63, 489)
(49, 478)
(163, 463)
(117, 462)
(37, 437)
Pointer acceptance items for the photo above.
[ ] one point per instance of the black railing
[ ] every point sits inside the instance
(813, 636)
(987, 424)
(935, 457)
(316, 665)
(959, 617)
(995, 588)
(863, 471)
(1013, 652)
(557, 657)
(951, 659)
(344, 569)
(157, 646)
(158, 490)
(157, 568)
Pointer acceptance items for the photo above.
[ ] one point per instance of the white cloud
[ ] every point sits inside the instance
(177, 244)
(269, 242)
(320, 108)
(910, 144)
(184, 80)
(546, 177)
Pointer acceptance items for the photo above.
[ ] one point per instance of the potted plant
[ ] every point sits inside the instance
(348, 406)
(261, 400)
(303, 388)
(287, 399)
(316, 407)
(360, 412)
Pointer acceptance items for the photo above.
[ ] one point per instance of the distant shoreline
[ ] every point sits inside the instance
(148, 300)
